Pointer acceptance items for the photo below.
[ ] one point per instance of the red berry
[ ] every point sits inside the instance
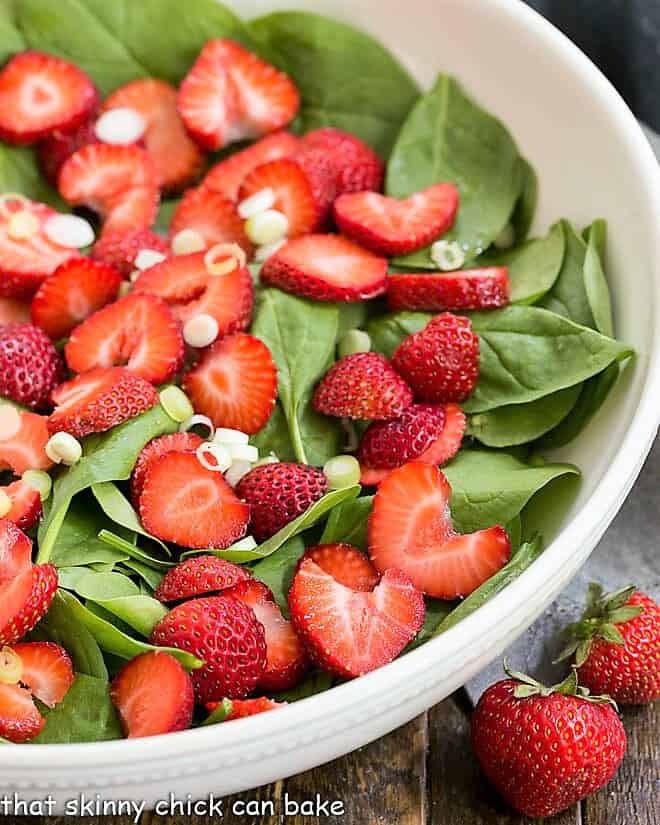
(30, 366)
(15, 551)
(61, 144)
(240, 708)
(23, 439)
(173, 442)
(212, 216)
(25, 504)
(25, 600)
(47, 670)
(198, 576)
(346, 564)
(357, 167)
(20, 720)
(119, 249)
(457, 291)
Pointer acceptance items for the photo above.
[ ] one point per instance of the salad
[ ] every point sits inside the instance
(280, 366)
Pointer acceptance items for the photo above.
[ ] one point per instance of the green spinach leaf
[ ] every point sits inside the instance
(77, 543)
(568, 296)
(152, 578)
(19, 172)
(388, 331)
(316, 682)
(120, 511)
(437, 611)
(525, 209)
(595, 283)
(133, 551)
(139, 612)
(277, 570)
(348, 523)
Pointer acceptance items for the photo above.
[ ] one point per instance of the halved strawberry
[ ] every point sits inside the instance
(153, 694)
(19, 718)
(26, 261)
(346, 564)
(438, 291)
(61, 144)
(47, 670)
(351, 632)
(25, 504)
(15, 551)
(429, 433)
(40, 93)
(74, 291)
(117, 182)
(139, 331)
(23, 438)
(200, 575)
(303, 186)
(98, 400)
(395, 227)
(177, 158)
(234, 383)
(120, 249)
(362, 386)
(24, 600)
(227, 176)
(173, 442)
(213, 216)
(326, 268)
(13, 311)
(286, 660)
(410, 528)
(187, 286)
(240, 708)
(230, 94)
(185, 503)
(357, 167)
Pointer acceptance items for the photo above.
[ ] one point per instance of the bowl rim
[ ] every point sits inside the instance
(605, 501)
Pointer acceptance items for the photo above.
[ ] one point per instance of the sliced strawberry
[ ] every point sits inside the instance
(24, 600)
(74, 291)
(429, 433)
(198, 576)
(139, 331)
(240, 708)
(286, 660)
(25, 504)
(61, 144)
(211, 215)
(47, 671)
(346, 564)
(120, 249)
(19, 718)
(439, 291)
(177, 158)
(357, 167)
(15, 551)
(117, 182)
(230, 94)
(395, 227)
(227, 176)
(303, 186)
(100, 399)
(326, 268)
(25, 262)
(23, 438)
(186, 285)
(153, 694)
(362, 386)
(350, 632)
(185, 503)
(40, 93)
(410, 528)
(173, 442)
(13, 311)
(235, 383)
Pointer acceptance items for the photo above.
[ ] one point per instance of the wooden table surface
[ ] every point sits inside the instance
(425, 774)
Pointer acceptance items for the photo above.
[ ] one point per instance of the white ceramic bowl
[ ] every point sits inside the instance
(592, 160)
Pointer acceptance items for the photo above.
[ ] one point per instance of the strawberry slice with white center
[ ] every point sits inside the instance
(326, 268)
(27, 258)
(395, 227)
(286, 660)
(227, 176)
(74, 291)
(117, 182)
(47, 671)
(40, 93)
(350, 632)
(212, 216)
(153, 694)
(410, 528)
(346, 564)
(23, 438)
(183, 502)
(235, 383)
(486, 288)
(186, 442)
(230, 94)
(15, 551)
(177, 158)
(25, 504)
(20, 720)
(100, 399)
(24, 600)
(189, 289)
(138, 331)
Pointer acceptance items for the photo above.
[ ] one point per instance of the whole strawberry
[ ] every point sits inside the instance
(278, 493)
(617, 645)
(546, 748)
(30, 366)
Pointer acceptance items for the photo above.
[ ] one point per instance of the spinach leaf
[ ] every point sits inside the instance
(492, 486)
(86, 714)
(164, 217)
(437, 611)
(301, 336)
(68, 577)
(448, 137)
(595, 283)
(316, 682)
(526, 555)
(277, 570)
(77, 543)
(152, 578)
(119, 509)
(525, 209)
(348, 523)
(388, 331)
(274, 436)
(568, 296)
(19, 172)
(345, 78)
(133, 551)
(514, 531)
(11, 39)
(97, 586)
(139, 612)
(111, 457)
